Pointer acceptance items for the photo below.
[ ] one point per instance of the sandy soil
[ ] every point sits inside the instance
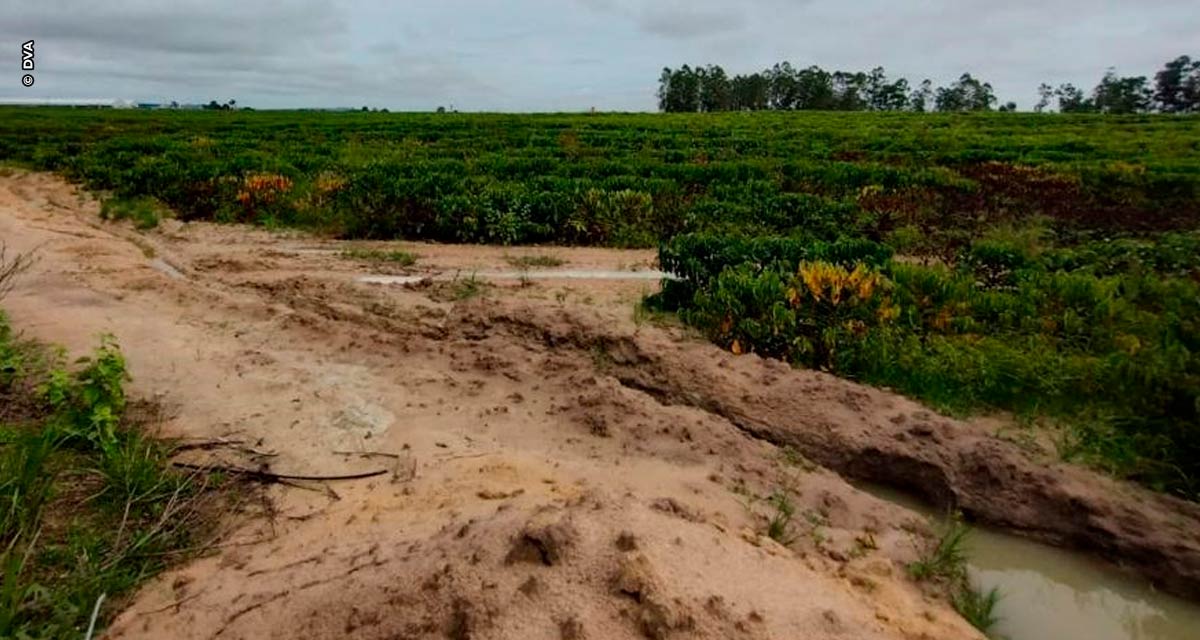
(555, 467)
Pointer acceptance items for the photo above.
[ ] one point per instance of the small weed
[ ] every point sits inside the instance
(947, 561)
(540, 260)
(145, 212)
(12, 360)
(646, 314)
(11, 267)
(397, 257)
(525, 280)
(817, 535)
(640, 314)
(601, 358)
(816, 518)
(467, 288)
(948, 558)
(977, 607)
(863, 545)
(785, 510)
(794, 458)
(817, 522)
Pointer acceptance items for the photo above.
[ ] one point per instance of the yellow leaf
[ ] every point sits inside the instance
(793, 297)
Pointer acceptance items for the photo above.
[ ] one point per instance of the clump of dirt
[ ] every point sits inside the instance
(672, 506)
(656, 617)
(545, 539)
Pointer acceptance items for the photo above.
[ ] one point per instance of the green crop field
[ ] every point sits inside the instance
(1042, 264)
(627, 180)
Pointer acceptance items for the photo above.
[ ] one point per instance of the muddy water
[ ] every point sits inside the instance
(1049, 593)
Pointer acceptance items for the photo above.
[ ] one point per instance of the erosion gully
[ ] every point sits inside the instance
(1048, 592)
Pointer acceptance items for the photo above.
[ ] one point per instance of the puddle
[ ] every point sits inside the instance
(389, 279)
(553, 274)
(1049, 593)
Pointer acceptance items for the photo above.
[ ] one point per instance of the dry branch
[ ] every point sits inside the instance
(11, 268)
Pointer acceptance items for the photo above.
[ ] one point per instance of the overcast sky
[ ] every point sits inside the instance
(552, 55)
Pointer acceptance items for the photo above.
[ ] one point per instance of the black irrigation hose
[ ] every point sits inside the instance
(270, 475)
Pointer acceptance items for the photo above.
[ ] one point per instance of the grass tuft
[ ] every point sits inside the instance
(977, 607)
(947, 559)
(540, 261)
(646, 313)
(145, 212)
(466, 288)
(397, 257)
(781, 518)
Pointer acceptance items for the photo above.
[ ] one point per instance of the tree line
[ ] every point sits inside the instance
(783, 87)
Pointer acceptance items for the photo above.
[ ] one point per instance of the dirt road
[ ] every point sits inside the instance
(555, 468)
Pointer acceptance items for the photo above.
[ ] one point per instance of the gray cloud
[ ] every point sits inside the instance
(272, 53)
(692, 24)
(186, 26)
(556, 54)
(682, 19)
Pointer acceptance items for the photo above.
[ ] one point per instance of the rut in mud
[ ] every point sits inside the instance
(553, 468)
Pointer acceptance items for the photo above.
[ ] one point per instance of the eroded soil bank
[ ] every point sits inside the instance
(874, 435)
(555, 467)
